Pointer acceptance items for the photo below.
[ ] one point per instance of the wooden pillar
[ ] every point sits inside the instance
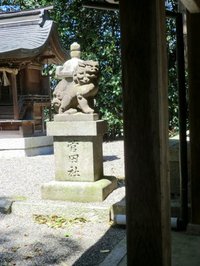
(193, 25)
(144, 71)
(14, 93)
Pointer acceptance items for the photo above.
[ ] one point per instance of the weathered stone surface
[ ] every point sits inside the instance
(78, 159)
(79, 191)
(90, 211)
(79, 84)
(118, 208)
(76, 117)
(76, 128)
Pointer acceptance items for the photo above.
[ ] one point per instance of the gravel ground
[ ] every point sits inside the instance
(23, 241)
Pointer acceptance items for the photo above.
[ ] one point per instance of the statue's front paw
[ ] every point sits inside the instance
(70, 111)
(61, 110)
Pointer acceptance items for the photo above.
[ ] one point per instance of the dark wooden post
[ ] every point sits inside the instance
(14, 93)
(146, 132)
(182, 121)
(194, 116)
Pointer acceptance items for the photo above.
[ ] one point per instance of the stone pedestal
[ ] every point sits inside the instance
(78, 159)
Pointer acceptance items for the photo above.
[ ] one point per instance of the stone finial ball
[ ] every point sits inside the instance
(75, 47)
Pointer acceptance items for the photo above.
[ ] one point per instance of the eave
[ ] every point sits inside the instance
(29, 34)
(193, 6)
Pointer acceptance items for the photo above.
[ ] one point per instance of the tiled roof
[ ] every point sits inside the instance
(27, 34)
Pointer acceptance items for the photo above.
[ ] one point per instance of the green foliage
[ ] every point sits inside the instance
(109, 103)
(172, 70)
(172, 76)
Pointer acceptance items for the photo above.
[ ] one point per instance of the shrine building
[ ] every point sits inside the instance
(29, 41)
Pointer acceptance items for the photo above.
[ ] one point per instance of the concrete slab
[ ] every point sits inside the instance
(123, 261)
(117, 255)
(92, 212)
(29, 146)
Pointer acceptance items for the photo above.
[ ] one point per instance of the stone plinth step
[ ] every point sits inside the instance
(79, 191)
(92, 211)
(89, 211)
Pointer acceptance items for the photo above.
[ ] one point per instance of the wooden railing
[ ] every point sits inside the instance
(34, 98)
(23, 99)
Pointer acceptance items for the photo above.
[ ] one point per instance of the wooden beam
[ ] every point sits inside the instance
(144, 68)
(193, 6)
(14, 93)
(101, 5)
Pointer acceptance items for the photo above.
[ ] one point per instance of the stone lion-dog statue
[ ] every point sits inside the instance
(78, 95)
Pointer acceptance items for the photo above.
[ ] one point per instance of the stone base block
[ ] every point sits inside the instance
(79, 191)
(78, 159)
(119, 208)
(22, 147)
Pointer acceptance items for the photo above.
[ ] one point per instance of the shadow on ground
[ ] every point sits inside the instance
(52, 251)
(185, 249)
(98, 252)
(110, 158)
